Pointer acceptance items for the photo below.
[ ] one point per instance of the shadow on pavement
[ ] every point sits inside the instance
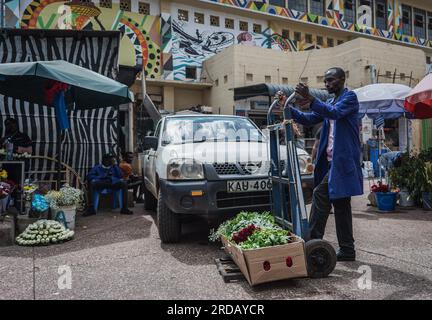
(100, 230)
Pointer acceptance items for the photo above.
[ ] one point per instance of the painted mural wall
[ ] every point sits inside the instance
(140, 43)
(334, 17)
(191, 43)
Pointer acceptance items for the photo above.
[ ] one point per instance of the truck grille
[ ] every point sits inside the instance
(240, 168)
(243, 199)
(226, 168)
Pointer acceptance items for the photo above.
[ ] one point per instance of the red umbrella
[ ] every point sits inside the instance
(419, 100)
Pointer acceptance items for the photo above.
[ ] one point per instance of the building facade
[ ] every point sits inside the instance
(181, 45)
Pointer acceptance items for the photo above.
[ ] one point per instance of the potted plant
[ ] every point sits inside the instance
(66, 200)
(385, 198)
(399, 176)
(427, 187)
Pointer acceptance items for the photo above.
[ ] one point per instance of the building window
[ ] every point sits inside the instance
(317, 7)
(308, 38)
(191, 72)
(340, 42)
(406, 20)
(243, 26)
(105, 4)
(214, 21)
(346, 74)
(284, 80)
(125, 5)
(381, 14)
(267, 79)
(144, 8)
(320, 40)
(330, 42)
(217, 82)
(199, 18)
(430, 25)
(388, 74)
(225, 79)
(297, 36)
(320, 79)
(229, 23)
(183, 15)
(285, 33)
(304, 80)
(349, 10)
(428, 60)
(279, 3)
(257, 28)
(299, 5)
(402, 76)
(249, 76)
(419, 23)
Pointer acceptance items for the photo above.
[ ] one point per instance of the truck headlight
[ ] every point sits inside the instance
(183, 169)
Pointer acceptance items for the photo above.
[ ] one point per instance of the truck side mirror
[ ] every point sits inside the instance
(151, 142)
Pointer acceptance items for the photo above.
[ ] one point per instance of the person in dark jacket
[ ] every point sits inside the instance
(338, 174)
(107, 175)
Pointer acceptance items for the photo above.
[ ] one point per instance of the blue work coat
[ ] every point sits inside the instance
(98, 173)
(345, 177)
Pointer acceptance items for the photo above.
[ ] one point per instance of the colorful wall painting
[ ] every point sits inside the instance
(140, 44)
(334, 18)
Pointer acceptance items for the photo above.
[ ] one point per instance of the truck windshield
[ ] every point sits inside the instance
(199, 129)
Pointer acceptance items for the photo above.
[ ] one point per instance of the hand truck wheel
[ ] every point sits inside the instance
(320, 257)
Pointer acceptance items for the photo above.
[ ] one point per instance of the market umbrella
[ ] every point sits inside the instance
(60, 84)
(419, 100)
(383, 99)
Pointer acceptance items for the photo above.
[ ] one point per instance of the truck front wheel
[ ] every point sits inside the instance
(169, 223)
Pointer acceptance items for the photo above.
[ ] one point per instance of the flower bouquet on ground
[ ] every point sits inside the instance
(384, 197)
(66, 197)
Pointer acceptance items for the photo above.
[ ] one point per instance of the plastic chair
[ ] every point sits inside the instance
(117, 194)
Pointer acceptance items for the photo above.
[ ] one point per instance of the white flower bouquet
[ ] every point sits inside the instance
(67, 196)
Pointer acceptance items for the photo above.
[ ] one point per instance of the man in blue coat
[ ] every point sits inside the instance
(338, 174)
(107, 175)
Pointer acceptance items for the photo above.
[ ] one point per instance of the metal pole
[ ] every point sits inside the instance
(2, 14)
(59, 147)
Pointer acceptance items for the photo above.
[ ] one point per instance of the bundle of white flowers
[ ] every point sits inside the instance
(65, 197)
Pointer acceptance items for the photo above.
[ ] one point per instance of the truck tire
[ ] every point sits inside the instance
(169, 224)
(321, 258)
(150, 202)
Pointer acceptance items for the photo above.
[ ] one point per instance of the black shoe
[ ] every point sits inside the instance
(126, 211)
(341, 256)
(89, 212)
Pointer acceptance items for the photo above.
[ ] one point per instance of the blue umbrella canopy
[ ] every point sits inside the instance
(87, 89)
(383, 99)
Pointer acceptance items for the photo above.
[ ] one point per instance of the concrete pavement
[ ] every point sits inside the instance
(121, 257)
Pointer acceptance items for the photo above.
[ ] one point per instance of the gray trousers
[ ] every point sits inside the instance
(321, 206)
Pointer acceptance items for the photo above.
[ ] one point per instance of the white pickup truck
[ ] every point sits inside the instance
(208, 165)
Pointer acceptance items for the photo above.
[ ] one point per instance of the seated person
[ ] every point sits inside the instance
(21, 142)
(134, 181)
(106, 176)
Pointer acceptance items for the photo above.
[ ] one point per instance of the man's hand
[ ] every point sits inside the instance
(303, 91)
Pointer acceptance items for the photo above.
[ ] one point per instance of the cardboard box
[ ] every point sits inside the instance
(270, 263)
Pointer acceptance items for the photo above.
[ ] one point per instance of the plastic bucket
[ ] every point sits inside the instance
(69, 214)
(427, 200)
(405, 199)
(386, 200)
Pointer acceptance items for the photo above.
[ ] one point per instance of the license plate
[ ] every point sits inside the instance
(248, 185)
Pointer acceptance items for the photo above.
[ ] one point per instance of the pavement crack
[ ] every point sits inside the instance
(34, 273)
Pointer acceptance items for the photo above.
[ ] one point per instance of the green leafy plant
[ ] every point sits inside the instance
(410, 172)
(243, 220)
(266, 238)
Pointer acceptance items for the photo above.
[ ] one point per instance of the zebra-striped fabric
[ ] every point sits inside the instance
(92, 132)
